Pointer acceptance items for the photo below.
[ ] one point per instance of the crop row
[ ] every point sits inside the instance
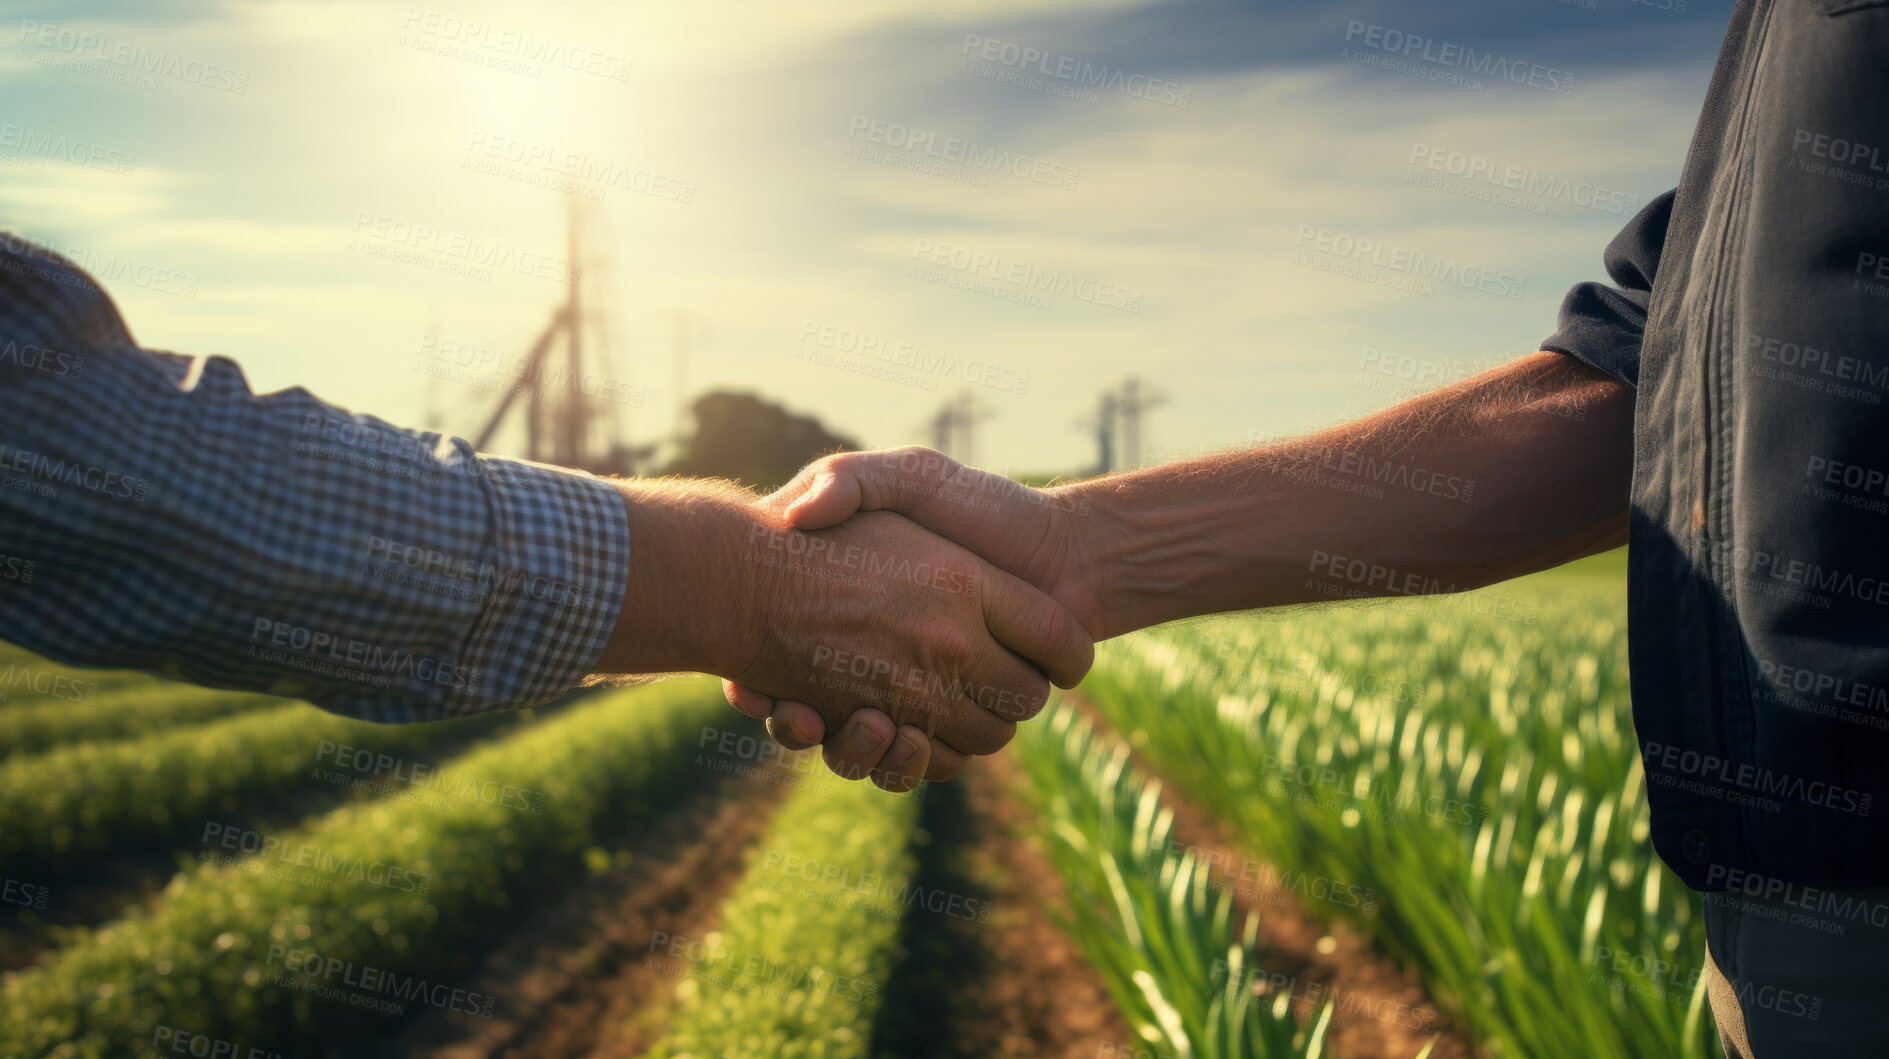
(90, 799)
(27, 678)
(117, 713)
(365, 912)
(1475, 769)
(1145, 913)
(809, 937)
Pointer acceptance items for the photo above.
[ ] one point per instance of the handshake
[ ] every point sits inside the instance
(896, 607)
(906, 612)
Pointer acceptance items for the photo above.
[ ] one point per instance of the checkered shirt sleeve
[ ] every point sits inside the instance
(156, 514)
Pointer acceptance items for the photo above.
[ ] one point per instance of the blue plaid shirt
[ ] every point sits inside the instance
(155, 514)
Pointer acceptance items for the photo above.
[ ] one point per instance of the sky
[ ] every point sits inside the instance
(1274, 215)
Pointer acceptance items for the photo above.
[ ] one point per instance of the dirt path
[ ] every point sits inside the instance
(989, 974)
(1383, 1012)
(570, 977)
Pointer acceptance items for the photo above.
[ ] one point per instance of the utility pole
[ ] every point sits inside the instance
(571, 441)
(952, 429)
(682, 374)
(434, 419)
(571, 431)
(969, 414)
(1132, 404)
(1117, 424)
(1102, 426)
(561, 420)
(938, 429)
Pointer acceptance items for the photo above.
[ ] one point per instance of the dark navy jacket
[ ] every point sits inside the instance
(1752, 312)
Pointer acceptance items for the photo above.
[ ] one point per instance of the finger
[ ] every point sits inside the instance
(959, 719)
(830, 499)
(1038, 628)
(904, 765)
(1006, 686)
(893, 480)
(945, 763)
(985, 513)
(856, 748)
(748, 700)
(795, 725)
(799, 484)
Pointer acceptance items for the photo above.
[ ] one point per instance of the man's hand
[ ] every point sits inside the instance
(944, 648)
(1042, 537)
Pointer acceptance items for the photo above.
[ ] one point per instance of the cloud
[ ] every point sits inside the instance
(415, 118)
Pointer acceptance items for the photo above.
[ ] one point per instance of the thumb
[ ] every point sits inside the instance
(832, 498)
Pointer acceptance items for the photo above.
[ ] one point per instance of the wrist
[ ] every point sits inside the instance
(691, 600)
(1098, 543)
(1152, 548)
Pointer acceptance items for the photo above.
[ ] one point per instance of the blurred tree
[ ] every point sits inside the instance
(758, 443)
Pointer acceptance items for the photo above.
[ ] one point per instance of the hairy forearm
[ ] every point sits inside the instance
(691, 600)
(1517, 469)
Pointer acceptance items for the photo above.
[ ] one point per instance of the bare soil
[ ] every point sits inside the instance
(575, 976)
(1004, 981)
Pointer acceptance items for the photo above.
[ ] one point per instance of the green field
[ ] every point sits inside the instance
(1446, 788)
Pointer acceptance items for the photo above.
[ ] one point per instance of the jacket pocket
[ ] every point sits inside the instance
(1844, 7)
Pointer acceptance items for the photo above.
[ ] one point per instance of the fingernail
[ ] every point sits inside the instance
(901, 754)
(864, 740)
(799, 728)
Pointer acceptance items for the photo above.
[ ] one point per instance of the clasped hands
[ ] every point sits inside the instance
(934, 604)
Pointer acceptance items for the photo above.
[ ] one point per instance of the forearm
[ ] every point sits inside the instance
(693, 582)
(158, 514)
(1518, 469)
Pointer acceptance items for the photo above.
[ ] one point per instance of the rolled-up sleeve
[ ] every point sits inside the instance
(1602, 324)
(157, 514)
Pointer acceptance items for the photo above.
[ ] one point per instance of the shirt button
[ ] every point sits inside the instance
(1696, 847)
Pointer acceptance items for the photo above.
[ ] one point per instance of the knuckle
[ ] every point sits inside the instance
(950, 648)
(779, 734)
(1032, 699)
(868, 733)
(940, 771)
(957, 573)
(842, 764)
(1053, 627)
(980, 737)
(1017, 698)
(984, 735)
(1083, 654)
(839, 464)
(897, 781)
(922, 462)
(1000, 736)
(909, 707)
